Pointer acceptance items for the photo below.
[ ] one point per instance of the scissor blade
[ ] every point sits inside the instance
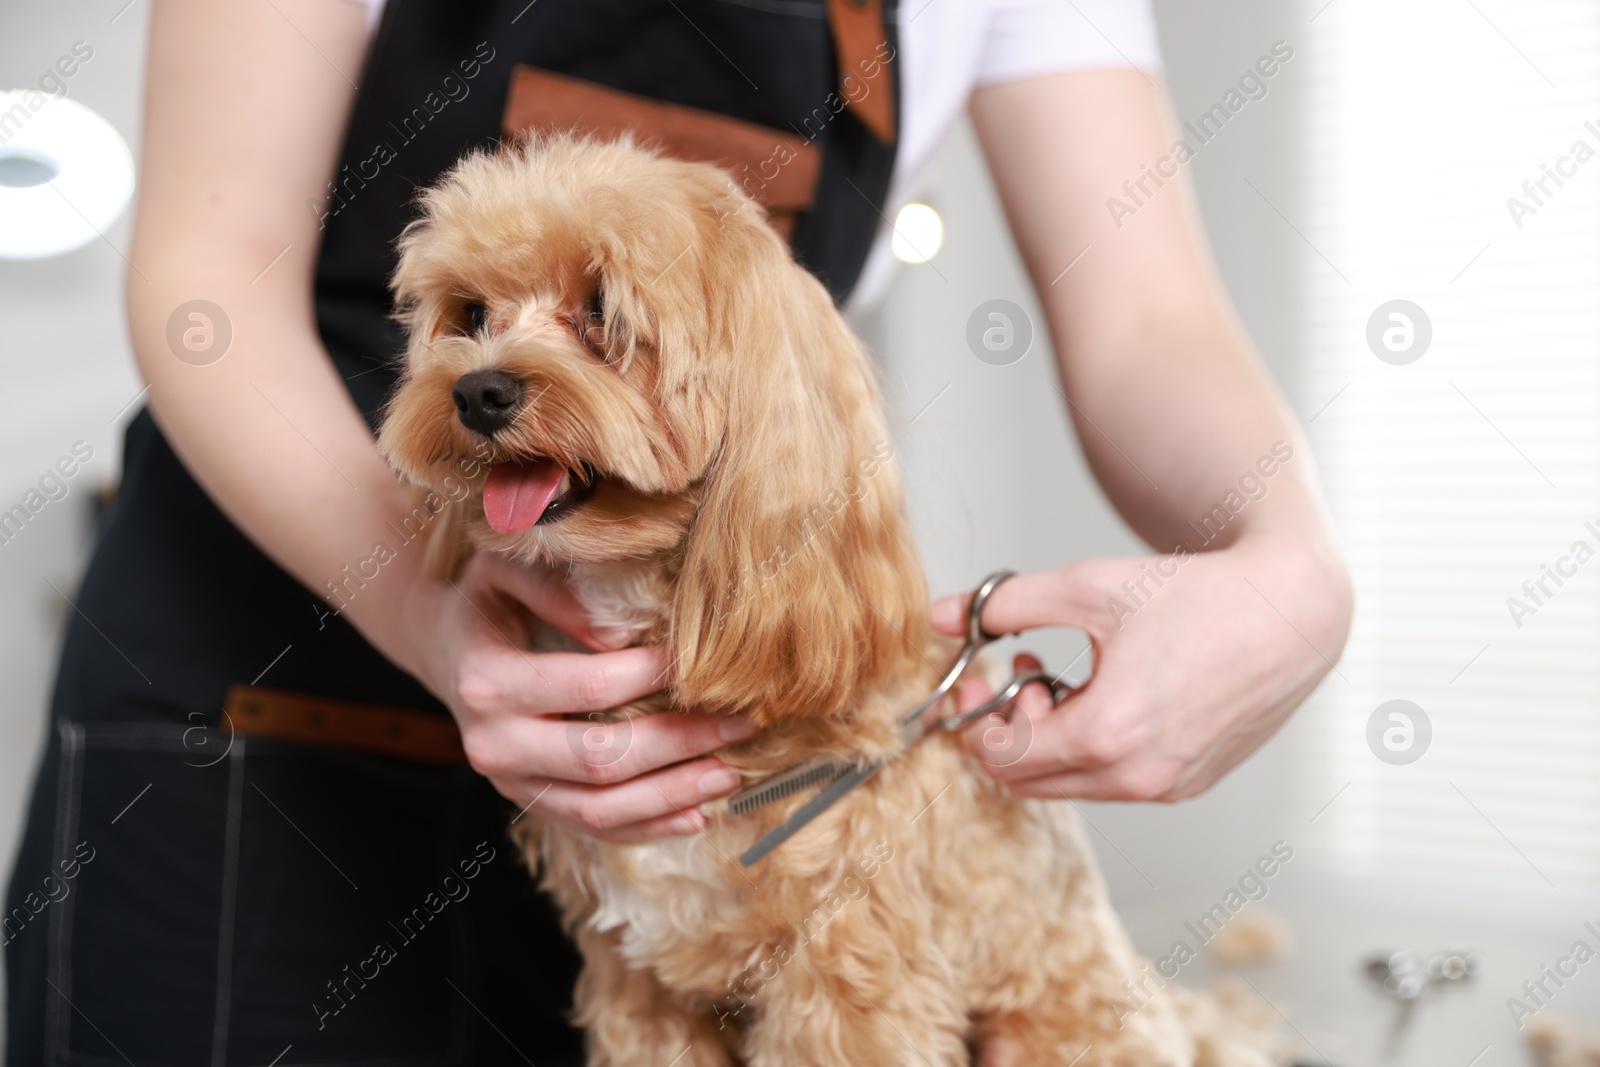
(785, 784)
(806, 812)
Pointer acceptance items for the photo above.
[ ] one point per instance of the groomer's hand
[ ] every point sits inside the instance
(1190, 676)
(1191, 440)
(621, 782)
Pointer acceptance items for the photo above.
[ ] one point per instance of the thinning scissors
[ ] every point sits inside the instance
(919, 724)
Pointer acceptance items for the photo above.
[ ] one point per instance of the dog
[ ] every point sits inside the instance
(672, 407)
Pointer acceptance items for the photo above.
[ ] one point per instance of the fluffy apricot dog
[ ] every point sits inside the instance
(667, 402)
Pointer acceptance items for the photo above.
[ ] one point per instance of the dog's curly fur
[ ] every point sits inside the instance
(747, 517)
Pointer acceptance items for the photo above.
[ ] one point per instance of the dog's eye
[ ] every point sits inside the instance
(476, 316)
(591, 325)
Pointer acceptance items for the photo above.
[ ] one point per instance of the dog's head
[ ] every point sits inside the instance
(622, 359)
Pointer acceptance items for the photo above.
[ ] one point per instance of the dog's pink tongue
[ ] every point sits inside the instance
(516, 494)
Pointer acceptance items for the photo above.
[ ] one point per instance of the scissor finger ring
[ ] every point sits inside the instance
(976, 634)
(1006, 698)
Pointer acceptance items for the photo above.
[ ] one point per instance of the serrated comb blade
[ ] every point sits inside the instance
(784, 784)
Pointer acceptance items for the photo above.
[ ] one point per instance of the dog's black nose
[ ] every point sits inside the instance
(486, 400)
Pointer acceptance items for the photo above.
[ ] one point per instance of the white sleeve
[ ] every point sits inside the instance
(1029, 37)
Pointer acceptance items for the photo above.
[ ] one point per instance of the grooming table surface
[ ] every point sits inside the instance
(1339, 1017)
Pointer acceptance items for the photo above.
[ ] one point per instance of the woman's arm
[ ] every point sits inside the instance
(1195, 670)
(245, 109)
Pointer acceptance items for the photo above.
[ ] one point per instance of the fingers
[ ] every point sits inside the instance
(1074, 596)
(1055, 740)
(1064, 597)
(673, 825)
(545, 592)
(531, 722)
(1004, 737)
(1079, 748)
(535, 717)
(497, 679)
(660, 804)
(592, 751)
(639, 746)
(1086, 749)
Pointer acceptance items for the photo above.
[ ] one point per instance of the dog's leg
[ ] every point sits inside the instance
(1102, 1008)
(631, 1021)
(1063, 983)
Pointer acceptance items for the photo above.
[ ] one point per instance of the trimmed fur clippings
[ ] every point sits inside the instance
(1557, 1041)
(726, 491)
(1252, 938)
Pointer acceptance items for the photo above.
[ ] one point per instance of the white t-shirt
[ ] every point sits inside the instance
(948, 48)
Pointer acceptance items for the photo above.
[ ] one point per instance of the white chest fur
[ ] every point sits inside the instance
(629, 595)
(666, 891)
(661, 894)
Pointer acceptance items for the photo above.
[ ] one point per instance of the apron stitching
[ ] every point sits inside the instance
(68, 796)
(230, 893)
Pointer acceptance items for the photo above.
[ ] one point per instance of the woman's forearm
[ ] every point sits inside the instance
(272, 436)
(1171, 405)
(268, 429)
(1190, 440)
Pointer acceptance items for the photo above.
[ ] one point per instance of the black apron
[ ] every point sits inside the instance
(181, 898)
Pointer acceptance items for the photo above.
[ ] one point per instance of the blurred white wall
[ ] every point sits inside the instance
(66, 373)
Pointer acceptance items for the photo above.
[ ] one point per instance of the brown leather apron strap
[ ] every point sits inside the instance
(863, 51)
(257, 711)
(778, 169)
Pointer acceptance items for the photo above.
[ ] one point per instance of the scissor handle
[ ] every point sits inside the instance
(977, 636)
(1059, 691)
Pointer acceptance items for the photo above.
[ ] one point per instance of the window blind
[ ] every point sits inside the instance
(1430, 133)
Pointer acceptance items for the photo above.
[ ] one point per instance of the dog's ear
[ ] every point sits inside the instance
(799, 582)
